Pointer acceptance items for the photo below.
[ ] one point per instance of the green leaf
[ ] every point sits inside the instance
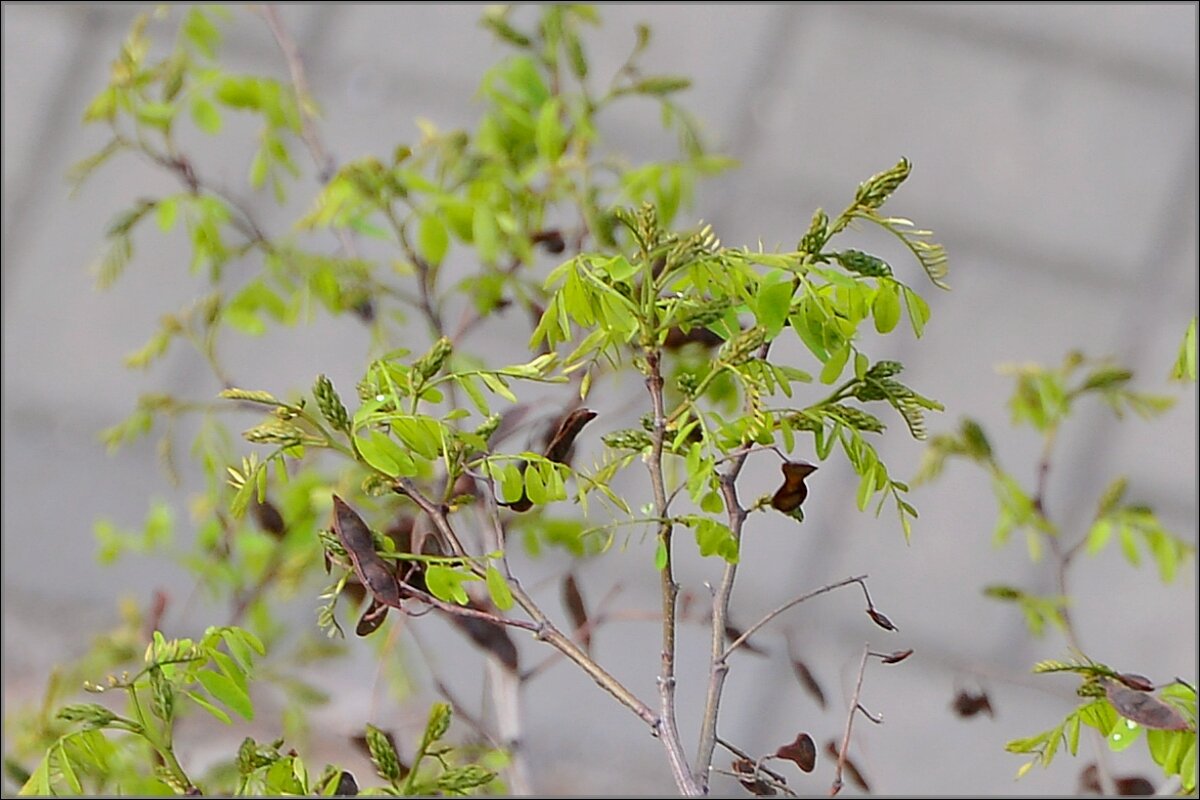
(467, 382)
(716, 539)
(497, 385)
(228, 692)
(67, 770)
(241, 645)
(661, 85)
(165, 213)
(836, 363)
(549, 136)
(511, 483)
(1099, 535)
(498, 589)
(660, 555)
(103, 107)
(772, 305)
(243, 92)
(382, 453)
(931, 256)
(618, 268)
(201, 32)
(1123, 734)
(446, 583)
(156, 115)
(1073, 728)
(39, 781)
(486, 234)
(866, 488)
(885, 308)
(205, 115)
(1110, 498)
(861, 365)
(1187, 764)
(1185, 363)
(433, 241)
(535, 486)
(918, 311)
(712, 503)
(1099, 715)
(1129, 545)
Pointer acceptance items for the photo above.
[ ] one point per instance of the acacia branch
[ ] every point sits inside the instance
(836, 786)
(740, 753)
(326, 164)
(668, 729)
(718, 667)
(544, 629)
(308, 128)
(739, 641)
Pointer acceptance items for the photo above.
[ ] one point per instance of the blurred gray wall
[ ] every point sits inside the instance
(1055, 152)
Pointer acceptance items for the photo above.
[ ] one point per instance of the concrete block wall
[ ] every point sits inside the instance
(1055, 152)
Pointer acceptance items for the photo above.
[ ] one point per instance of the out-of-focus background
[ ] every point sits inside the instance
(1055, 153)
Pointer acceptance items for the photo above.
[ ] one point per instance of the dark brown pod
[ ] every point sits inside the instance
(1145, 709)
(489, 636)
(851, 769)
(372, 570)
(1134, 785)
(808, 681)
(802, 751)
(733, 633)
(896, 656)
(749, 778)
(551, 241)
(558, 449)
(268, 518)
(372, 618)
(564, 437)
(573, 601)
(789, 497)
(1139, 683)
(347, 786)
(881, 620)
(966, 704)
(520, 506)
(677, 338)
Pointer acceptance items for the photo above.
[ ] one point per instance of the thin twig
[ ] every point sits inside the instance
(467, 611)
(1063, 558)
(326, 164)
(545, 630)
(740, 753)
(836, 786)
(668, 729)
(875, 718)
(718, 666)
(736, 643)
(308, 129)
(597, 620)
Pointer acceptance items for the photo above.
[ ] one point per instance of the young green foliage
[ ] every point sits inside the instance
(1117, 705)
(560, 232)
(1185, 362)
(1120, 707)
